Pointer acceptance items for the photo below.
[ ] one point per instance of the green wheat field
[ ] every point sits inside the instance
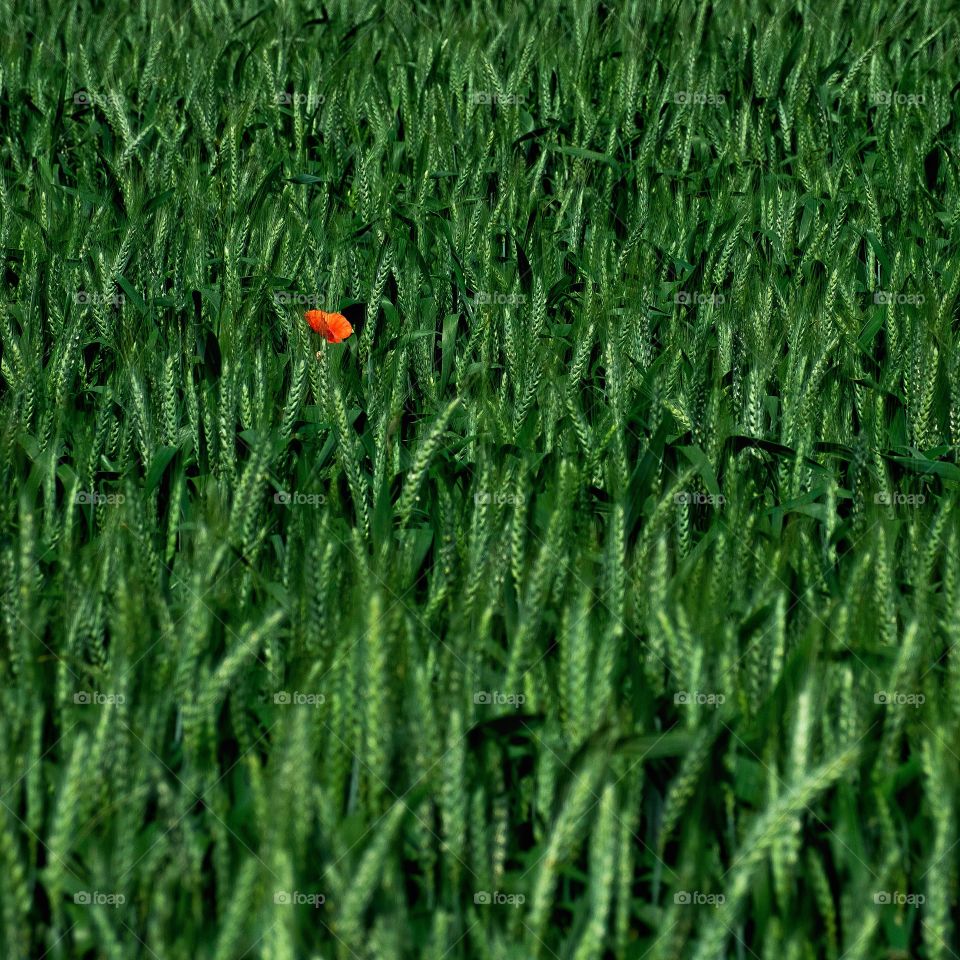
(597, 598)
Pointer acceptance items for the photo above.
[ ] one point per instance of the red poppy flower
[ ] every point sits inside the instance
(334, 327)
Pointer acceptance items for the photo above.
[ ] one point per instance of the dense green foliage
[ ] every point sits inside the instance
(597, 598)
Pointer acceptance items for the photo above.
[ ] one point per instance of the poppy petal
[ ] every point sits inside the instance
(333, 327)
(338, 326)
(315, 320)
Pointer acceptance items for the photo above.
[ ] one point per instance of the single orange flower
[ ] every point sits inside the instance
(334, 327)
